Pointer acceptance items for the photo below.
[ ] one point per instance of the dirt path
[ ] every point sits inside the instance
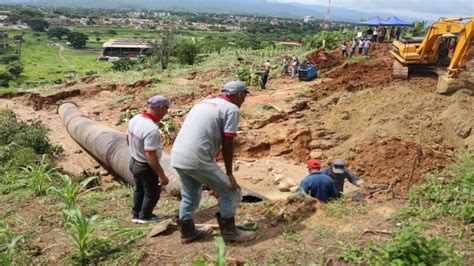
(61, 53)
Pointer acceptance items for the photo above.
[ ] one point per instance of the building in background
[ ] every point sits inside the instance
(115, 49)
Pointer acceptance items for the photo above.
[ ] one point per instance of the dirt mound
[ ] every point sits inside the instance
(395, 162)
(39, 102)
(88, 79)
(325, 60)
(356, 76)
(137, 86)
(294, 208)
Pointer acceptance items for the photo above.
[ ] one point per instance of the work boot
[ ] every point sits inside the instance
(189, 233)
(230, 232)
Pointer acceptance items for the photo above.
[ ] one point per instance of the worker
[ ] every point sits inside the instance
(375, 35)
(286, 66)
(266, 73)
(361, 46)
(339, 172)
(294, 67)
(398, 33)
(210, 124)
(344, 50)
(366, 47)
(143, 138)
(353, 46)
(317, 184)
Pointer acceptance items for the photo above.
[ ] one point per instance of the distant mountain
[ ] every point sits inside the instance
(255, 7)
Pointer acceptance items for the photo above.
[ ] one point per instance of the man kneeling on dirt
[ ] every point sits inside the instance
(210, 124)
(143, 138)
(317, 184)
(339, 172)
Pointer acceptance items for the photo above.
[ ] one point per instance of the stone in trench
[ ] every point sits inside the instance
(284, 187)
(294, 188)
(278, 178)
(317, 154)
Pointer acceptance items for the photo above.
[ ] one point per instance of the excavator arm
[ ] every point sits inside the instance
(462, 47)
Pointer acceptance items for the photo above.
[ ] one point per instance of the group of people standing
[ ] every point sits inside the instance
(359, 44)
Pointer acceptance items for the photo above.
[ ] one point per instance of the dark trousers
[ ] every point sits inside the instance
(264, 80)
(147, 191)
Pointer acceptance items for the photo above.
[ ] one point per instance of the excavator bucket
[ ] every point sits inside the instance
(400, 71)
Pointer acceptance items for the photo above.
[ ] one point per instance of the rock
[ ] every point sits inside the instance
(78, 151)
(284, 187)
(294, 188)
(247, 177)
(345, 116)
(464, 131)
(317, 154)
(278, 178)
(269, 168)
(438, 139)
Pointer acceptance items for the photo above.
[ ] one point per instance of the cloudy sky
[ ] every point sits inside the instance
(428, 9)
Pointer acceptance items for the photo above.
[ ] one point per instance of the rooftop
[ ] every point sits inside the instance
(126, 44)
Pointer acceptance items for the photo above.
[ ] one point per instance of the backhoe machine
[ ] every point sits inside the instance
(433, 52)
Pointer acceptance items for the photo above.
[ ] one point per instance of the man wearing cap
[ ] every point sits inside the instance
(339, 172)
(143, 138)
(317, 184)
(210, 124)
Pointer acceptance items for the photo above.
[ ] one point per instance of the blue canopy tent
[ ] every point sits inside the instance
(394, 21)
(375, 21)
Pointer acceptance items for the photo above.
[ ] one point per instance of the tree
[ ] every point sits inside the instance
(162, 48)
(187, 52)
(58, 32)
(37, 24)
(77, 39)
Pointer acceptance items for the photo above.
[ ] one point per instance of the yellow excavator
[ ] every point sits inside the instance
(432, 52)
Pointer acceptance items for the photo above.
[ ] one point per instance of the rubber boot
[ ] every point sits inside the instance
(231, 233)
(189, 233)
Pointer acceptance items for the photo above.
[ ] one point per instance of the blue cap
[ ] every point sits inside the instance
(158, 100)
(234, 87)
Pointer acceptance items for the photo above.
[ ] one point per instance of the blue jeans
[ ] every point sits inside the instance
(191, 190)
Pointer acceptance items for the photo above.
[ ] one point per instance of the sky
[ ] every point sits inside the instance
(423, 9)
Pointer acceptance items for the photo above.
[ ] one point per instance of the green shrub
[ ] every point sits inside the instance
(15, 69)
(186, 52)
(244, 74)
(409, 247)
(123, 64)
(5, 78)
(6, 59)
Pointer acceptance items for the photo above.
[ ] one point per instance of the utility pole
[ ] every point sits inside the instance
(327, 17)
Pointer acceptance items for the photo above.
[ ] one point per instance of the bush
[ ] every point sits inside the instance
(243, 74)
(5, 78)
(5, 59)
(91, 73)
(15, 69)
(187, 52)
(23, 135)
(409, 247)
(123, 64)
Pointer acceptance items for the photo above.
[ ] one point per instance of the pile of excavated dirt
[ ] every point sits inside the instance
(325, 60)
(396, 162)
(373, 72)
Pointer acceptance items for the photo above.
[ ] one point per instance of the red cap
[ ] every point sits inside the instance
(313, 163)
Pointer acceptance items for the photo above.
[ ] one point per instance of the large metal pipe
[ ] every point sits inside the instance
(109, 147)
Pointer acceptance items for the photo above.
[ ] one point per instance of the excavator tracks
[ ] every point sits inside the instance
(400, 71)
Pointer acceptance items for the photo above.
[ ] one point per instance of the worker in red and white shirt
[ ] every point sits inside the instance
(210, 125)
(143, 138)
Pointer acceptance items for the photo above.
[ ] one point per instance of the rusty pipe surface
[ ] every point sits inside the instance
(109, 147)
